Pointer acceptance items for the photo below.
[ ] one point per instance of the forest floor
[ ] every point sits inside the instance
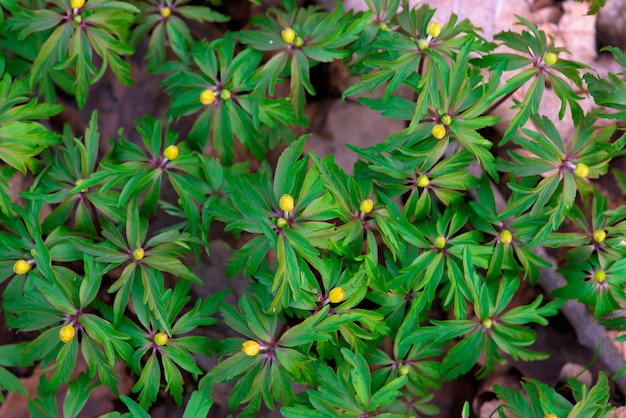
(335, 123)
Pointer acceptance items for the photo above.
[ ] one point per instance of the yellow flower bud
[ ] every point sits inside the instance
(550, 58)
(171, 152)
(207, 97)
(337, 295)
(281, 223)
(138, 254)
(160, 338)
(67, 333)
(423, 181)
(423, 44)
(438, 131)
(286, 203)
(21, 267)
(298, 42)
(366, 205)
(77, 4)
(288, 35)
(487, 323)
(433, 29)
(440, 242)
(581, 170)
(251, 348)
(600, 276)
(165, 12)
(506, 237)
(551, 416)
(599, 235)
(446, 119)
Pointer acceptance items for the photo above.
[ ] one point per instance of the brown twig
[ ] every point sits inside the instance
(589, 332)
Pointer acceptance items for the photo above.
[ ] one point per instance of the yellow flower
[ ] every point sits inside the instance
(599, 235)
(337, 295)
(21, 267)
(440, 242)
(506, 237)
(138, 254)
(550, 58)
(581, 170)
(286, 203)
(487, 323)
(600, 276)
(251, 348)
(165, 12)
(67, 333)
(423, 181)
(160, 338)
(207, 97)
(77, 4)
(171, 152)
(438, 131)
(366, 205)
(288, 35)
(433, 29)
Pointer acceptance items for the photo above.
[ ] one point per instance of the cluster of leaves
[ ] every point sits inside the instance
(339, 265)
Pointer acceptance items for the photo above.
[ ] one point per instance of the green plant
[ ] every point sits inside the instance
(366, 291)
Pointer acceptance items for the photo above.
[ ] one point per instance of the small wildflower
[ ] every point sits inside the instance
(165, 12)
(438, 131)
(67, 333)
(433, 29)
(21, 267)
(600, 276)
(506, 237)
(225, 94)
(160, 338)
(171, 152)
(366, 205)
(337, 295)
(286, 203)
(550, 58)
(138, 254)
(281, 223)
(207, 97)
(77, 4)
(599, 235)
(251, 348)
(423, 181)
(581, 170)
(487, 323)
(423, 44)
(440, 242)
(288, 35)
(78, 183)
